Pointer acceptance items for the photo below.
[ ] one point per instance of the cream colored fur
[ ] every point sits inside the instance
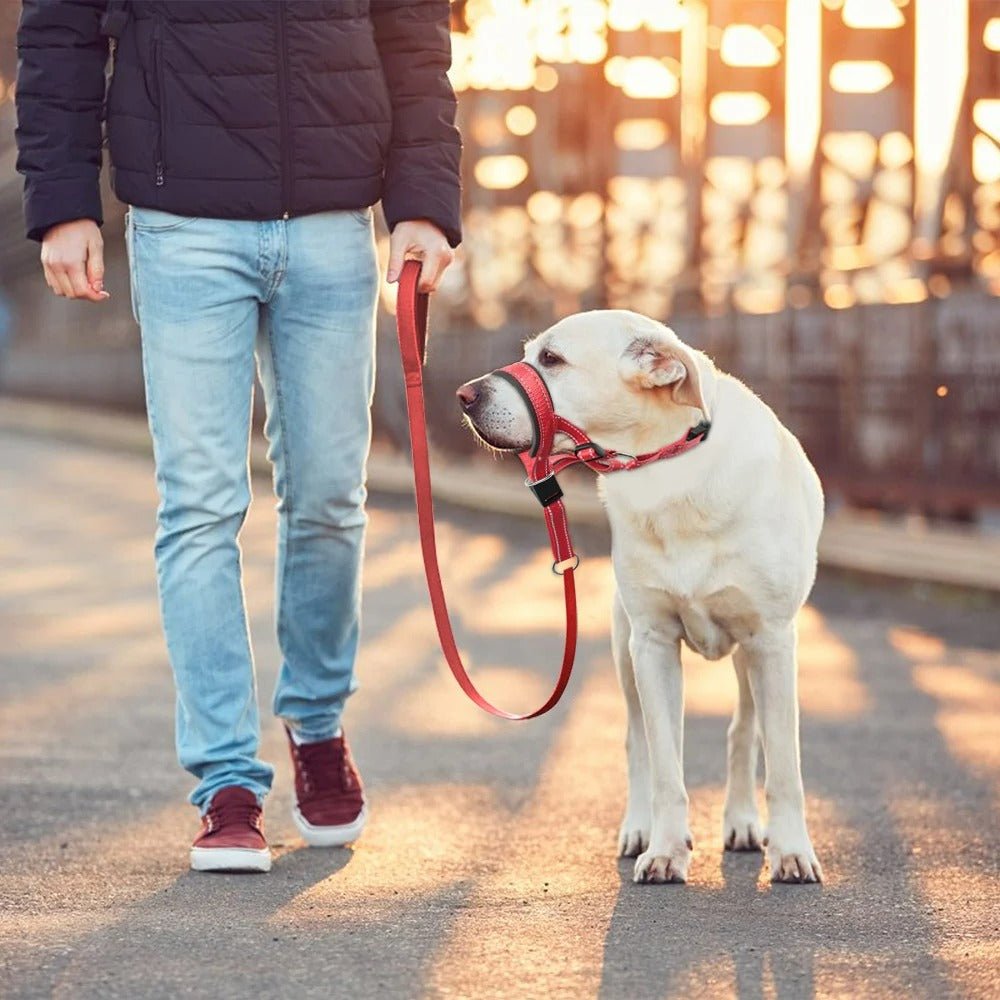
(715, 548)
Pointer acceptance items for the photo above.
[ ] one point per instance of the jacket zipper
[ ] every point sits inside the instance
(160, 99)
(286, 172)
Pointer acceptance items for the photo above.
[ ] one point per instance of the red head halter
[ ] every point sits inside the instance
(539, 461)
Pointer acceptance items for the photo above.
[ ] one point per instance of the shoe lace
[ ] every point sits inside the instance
(326, 768)
(234, 814)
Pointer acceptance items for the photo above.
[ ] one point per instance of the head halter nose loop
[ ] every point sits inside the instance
(526, 379)
(539, 461)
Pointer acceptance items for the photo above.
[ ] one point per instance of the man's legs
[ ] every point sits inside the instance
(195, 288)
(316, 360)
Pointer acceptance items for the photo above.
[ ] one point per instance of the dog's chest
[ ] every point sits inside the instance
(680, 572)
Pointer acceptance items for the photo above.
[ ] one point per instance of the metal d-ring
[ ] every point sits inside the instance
(565, 565)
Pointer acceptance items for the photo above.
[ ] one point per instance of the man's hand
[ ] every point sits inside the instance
(73, 260)
(420, 240)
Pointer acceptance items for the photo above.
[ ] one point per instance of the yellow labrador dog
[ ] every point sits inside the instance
(716, 547)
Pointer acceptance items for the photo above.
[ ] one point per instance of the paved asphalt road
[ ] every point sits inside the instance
(488, 869)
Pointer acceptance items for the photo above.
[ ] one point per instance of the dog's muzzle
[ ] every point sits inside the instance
(541, 462)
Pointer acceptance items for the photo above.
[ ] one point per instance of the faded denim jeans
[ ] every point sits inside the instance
(210, 296)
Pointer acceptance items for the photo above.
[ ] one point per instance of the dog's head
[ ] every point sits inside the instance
(616, 374)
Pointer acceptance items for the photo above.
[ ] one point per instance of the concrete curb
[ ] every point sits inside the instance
(852, 542)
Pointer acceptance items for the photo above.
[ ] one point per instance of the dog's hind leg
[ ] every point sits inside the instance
(740, 820)
(633, 838)
(771, 666)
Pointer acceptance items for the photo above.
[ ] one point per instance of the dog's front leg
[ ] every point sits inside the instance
(633, 837)
(770, 658)
(656, 659)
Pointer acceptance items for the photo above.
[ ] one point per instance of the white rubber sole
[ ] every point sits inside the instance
(330, 836)
(230, 859)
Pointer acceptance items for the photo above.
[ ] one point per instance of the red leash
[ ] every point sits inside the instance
(411, 325)
(539, 463)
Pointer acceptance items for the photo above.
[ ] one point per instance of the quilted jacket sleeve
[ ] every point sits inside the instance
(422, 179)
(59, 95)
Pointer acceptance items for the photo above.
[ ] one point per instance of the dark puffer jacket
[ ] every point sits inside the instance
(241, 109)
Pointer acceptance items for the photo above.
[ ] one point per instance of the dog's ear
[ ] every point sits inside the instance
(651, 362)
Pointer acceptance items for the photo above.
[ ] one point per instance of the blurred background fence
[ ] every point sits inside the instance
(809, 190)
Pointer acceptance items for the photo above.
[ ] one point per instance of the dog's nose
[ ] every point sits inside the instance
(467, 395)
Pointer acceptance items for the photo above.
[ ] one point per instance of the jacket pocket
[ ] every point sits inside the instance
(161, 101)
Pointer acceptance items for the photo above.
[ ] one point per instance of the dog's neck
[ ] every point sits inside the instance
(658, 425)
(667, 423)
(660, 422)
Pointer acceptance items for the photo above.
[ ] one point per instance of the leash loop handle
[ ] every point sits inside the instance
(411, 327)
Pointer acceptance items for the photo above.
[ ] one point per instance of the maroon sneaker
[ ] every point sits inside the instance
(330, 808)
(232, 835)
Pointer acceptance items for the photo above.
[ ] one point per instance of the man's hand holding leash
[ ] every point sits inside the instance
(420, 240)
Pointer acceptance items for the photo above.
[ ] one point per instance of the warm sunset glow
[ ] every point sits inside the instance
(625, 15)
(587, 48)
(488, 130)
(544, 207)
(803, 78)
(985, 160)
(991, 34)
(848, 258)
(895, 150)
(854, 152)
(867, 76)
(659, 15)
(746, 45)
(614, 70)
(906, 290)
(739, 108)
(501, 172)
(942, 43)
(759, 300)
(585, 210)
(640, 134)
(839, 296)
(880, 185)
(646, 77)
(986, 114)
(546, 78)
(521, 120)
(666, 15)
(872, 14)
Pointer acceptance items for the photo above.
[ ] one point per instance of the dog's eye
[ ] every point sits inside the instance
(547, 359)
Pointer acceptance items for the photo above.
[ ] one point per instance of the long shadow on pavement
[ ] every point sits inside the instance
(872, 926)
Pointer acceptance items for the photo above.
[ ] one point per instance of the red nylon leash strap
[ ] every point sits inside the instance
(411, 326)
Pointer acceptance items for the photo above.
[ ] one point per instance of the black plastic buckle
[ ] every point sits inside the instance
(547, 490)
(699, 430)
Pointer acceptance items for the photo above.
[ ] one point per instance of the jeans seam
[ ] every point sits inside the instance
(288, 500)
(278, 273)
(282, 268)
(133, 266)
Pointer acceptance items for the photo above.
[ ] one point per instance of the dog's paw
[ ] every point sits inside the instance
(633, 837)
(741, 831)
(666, 866)
(793, 861)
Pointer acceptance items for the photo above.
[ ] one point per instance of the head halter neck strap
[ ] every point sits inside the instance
(541, 463)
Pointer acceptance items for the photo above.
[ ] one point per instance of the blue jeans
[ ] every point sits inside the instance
(209, 295)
